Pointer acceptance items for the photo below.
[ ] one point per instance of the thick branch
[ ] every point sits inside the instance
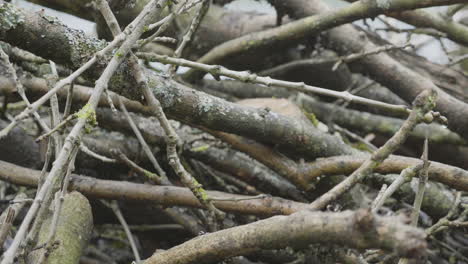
(190, 106)
(365, 229)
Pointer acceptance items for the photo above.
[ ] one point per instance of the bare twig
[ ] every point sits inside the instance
(93, 154)
(163, 24)
(423, 178)
(421, 106)
(162, 174)
(405, 176)
(245, 76)
(188, 35)
(354, 136)
(116, 209)
(236, 199)
(68, 80)
(148, 174)
(69, 100)
(21, 92)
(357, 56)
(58, 127)
(445, 221)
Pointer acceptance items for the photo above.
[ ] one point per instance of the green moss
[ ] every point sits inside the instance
(150, 175)
(201, 148)
(199, 191)
(361, 146)
(10, 17)
(312, 118)
(88, 114)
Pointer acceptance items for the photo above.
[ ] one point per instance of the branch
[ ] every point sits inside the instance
(372, 123)
(217, 70)
(74, 231)
(366, 230)
(163, 195)
(73, 139)
(422, 106)
(197, 108)
(283, 35)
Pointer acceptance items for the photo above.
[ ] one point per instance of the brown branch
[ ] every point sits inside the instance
(163, 195)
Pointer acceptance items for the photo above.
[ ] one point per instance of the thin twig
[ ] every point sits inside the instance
(357, 56)
(21, 92)
(405, 176)
(162, 178)
(236, 199)
(68, 80)
(423, 103)
(199, 15)
(354, 136)
(445, 221)
(458, 60)
(69, 100)
(423, 178)
(148, 174)
(57, 127)
(116, 209)
(245, 76)
(93, 154)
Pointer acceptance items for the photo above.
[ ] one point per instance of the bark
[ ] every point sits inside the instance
(74, 230)
(19, 147)
(178, 101)
(364, 229)
(162, 195)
